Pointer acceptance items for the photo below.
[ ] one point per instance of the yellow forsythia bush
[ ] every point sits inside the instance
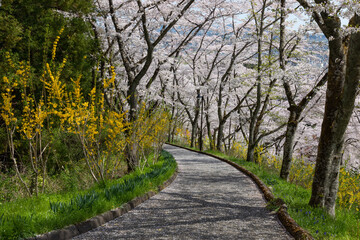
(183, 135)
(62, 105)
(149, 131)
(349, 189)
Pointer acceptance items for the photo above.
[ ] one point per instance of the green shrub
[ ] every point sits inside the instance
(65, 149)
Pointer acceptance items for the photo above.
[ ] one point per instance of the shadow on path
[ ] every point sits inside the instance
(208, 200)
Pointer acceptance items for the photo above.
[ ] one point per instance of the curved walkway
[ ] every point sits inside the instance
(209, 199)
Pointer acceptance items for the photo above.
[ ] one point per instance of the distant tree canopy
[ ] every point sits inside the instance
(29, 27)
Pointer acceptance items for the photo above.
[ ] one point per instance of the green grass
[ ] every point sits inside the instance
(346, 224)
(26, 217)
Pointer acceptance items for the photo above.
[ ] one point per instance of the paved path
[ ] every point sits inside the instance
(209, 199)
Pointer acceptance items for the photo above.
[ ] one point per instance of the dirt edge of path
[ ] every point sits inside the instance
(290, 225)
(94, 222)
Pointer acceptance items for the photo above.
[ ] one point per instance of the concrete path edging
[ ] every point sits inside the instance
(94, 222)
(290, 224)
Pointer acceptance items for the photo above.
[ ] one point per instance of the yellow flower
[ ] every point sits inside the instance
(56, 43)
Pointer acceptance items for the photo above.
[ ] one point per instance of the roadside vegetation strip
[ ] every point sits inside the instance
(346, 225)
(273, 203)
(27, 217)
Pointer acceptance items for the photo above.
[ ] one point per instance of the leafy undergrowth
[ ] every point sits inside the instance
(346, 225)
(26, 217)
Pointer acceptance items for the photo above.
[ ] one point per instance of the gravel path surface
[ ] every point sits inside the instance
(209, 199)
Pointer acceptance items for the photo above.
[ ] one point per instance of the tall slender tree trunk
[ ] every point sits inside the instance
(171, 127)
(193, 133)
(208, 128)
(295, 110)
(293, 121)
(131, 149)
(289, 145)
(194, 122)
(254, 114)
(220, 136)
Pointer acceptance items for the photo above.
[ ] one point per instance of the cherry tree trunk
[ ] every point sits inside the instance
(254, 125)
(193, 133)
(172, 124)
(343, 81)
(208, 128)
(131, 149)
(289, 145)
(329, 137)
(132, 156)
(349, 94)
(250, 152)
(220, 136)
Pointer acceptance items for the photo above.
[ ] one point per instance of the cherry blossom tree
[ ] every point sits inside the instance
(208, 65)
(343, 80)
(286, 50)
(135, 30)
(263, 18)
(223, 55)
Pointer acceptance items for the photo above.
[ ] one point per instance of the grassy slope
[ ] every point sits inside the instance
(345, 226)
(26, 217)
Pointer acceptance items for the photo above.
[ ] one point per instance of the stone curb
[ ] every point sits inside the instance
(92, 223)
(290, 225)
